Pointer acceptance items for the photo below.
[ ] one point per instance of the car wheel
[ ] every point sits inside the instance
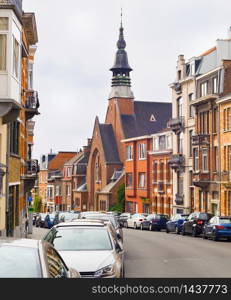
(167, 231)
(194, 233)
(204, 236)
(177, 230)
(150, 227)
(214, 236)
(135, 226)
(183, 231)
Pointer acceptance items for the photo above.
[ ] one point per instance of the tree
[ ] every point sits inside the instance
(120, 199)
(37, 203)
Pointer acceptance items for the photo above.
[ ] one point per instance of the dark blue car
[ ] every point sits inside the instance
(176, 222)
(218, 227)
(51, 219)
(154, 222)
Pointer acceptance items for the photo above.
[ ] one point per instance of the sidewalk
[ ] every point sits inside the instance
(38, 233)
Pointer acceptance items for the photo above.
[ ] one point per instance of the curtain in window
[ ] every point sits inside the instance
(2, 52)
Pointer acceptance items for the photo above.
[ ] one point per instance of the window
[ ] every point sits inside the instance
(205, 162)
(50, 192)
(204, 89)
(129, 180)
(30, 76)
(3, 39)
(161, 171)
(129, 151)
(155, 143)
(215, 159)
(196, 159)
(180, 183)
(204, 122)
(68, 190)
(227, 118)
(57, 190)
(168, 141)
(4, 24)
(180, 143)
(191, 97)
(180, 107)
(229, 158)
(16, 59)
(168, 172)
(142, 149)
(215, 120)
(155, 170)
(162, 142)
(14, 137)
(190, 142)
(215, 86)
(179, 75)
(68, 172)
(191, 111)
(141, 180)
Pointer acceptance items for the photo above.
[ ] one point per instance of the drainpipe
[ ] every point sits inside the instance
(7, 173)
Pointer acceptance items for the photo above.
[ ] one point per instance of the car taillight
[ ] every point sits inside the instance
(199, 222)
(220, 227)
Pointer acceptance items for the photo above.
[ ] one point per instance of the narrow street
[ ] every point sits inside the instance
(157, 254)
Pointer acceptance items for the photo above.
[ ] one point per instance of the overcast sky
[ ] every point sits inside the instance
(76, 49)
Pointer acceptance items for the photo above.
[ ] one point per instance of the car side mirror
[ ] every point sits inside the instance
(118, 236)
(118, 248)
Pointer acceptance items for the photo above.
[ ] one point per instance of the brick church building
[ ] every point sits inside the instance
(125, 118)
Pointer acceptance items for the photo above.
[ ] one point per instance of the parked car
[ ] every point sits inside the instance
(40, 220)
(135, 220)
(154, 222)
(35, 215)
(123, 218)
(175, 224)
(51, 220)
(68, 216)
(89, 245)
(28, 258)
(110, 218)
(217, 228)
(195, 223)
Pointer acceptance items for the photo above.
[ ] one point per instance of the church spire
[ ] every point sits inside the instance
(121, 68)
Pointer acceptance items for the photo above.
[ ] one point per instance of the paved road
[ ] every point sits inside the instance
(157, 254)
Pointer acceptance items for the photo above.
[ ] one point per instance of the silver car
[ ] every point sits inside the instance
(90, 246)
(28, 258)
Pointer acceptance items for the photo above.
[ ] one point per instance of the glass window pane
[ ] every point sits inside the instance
(4, 23)
(3, 52)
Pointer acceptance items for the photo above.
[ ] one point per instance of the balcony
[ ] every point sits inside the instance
(32, 104)
(177, 161)
(160, 187)
(179, 199)
(204, 99)
(200, 139)
(32, 167)
(177, 87)
(201, 180)
(176, 124)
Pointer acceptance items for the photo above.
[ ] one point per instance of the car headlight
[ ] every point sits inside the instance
(106, 271)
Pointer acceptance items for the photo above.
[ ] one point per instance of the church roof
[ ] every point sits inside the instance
(149, 118)
(109, 143)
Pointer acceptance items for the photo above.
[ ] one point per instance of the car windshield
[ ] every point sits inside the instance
(43, 216)
(225, 221)
(205, 216)
(81, 239)
(12, 262)
(69, 216)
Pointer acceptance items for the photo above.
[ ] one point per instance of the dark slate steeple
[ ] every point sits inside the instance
(121, 69)
(121, 82)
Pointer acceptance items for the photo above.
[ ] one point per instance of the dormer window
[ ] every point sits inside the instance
(192, 68)
(152, 118)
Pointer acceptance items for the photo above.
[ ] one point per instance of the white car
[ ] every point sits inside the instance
(91, 245)
(135, 220)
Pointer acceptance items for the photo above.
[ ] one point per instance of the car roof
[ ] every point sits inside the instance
(30, 243)
(82, 222)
